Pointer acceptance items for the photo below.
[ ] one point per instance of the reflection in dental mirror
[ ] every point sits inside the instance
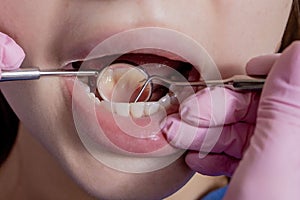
(122, 82)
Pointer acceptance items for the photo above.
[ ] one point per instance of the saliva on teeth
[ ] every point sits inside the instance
(116, 85)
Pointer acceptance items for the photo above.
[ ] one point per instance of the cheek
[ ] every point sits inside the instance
(39, 105)
(34, 25)
(233, 32)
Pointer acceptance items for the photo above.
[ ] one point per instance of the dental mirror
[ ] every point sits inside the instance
(123, 82)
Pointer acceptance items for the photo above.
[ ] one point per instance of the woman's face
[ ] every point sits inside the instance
(56, 32)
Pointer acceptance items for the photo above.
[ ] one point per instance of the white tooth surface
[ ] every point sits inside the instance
(86, 88)
(105, 84)
(98, 101)
(165, 101)
(122, 109)
(151, 108)
(137, 109)
(92, 96)
(84, 80)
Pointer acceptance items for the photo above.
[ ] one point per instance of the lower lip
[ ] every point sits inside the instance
(103, 127)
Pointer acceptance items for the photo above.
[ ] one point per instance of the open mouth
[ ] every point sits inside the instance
(118, 92)
(124, 126)
(122, 133)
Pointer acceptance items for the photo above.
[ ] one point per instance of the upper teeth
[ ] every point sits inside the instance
(115, 85)
(119, 82)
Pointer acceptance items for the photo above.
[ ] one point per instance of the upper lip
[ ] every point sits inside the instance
(78, 50)
(98, 47)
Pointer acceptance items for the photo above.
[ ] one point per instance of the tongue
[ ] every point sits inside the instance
(121, 83)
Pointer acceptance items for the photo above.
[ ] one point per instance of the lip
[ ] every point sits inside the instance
(81, 50)
(99, 125)
(106, 132)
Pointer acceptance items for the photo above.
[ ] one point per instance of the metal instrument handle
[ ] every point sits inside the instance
(236, 82)
(35, 73)
(22, 74)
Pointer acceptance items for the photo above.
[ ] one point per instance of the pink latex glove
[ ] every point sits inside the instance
(11, 54)
(270, 168)
(188, 128)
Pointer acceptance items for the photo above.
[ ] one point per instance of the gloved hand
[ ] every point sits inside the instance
(11, 54)
(270, 168)
(238, 126)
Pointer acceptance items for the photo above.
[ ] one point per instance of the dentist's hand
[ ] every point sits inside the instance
(11, 54)
(270, 167)
(188, 129)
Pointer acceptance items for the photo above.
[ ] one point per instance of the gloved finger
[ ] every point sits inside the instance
(11, 54)
(282, 89)
(270, 167)
(212, 164)
(261, 65)
(232, 139)
(197, 110)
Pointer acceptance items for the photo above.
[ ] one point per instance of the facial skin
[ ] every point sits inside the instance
(51, 31)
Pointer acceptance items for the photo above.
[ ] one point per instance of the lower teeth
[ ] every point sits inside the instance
(135, 110)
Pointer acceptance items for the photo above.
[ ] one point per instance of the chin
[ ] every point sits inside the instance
(104, 182)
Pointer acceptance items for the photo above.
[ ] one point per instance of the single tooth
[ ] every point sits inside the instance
(137, 109)
(98, 101)
(84, 80)
(84, 86)
(122, 109)
(151, 108)
(87, 89)
(105, 84)
(165, 101)
(174, 100)
(92, 96)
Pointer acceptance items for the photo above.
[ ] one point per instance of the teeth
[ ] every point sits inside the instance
(85, 87)
(98, 101)
(122, 109)
(105, 84)
(115, 78)
(137, 109)
(151, 108)
(92, 96)
(165, 101)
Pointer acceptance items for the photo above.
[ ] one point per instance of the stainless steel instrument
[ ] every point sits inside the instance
(237, 82)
